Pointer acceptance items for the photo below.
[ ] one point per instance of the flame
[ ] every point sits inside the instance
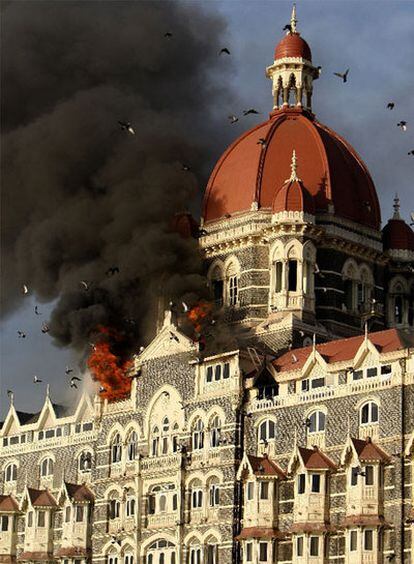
(108, 369)
(200, 313)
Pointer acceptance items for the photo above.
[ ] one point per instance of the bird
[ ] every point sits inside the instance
(185, 307)
(102, 389)
(402, 125)
(233, 119)
(288, 28)
(251, 111)
(25, 289)
(411, 152)
(412, 218)
(343, 75)
(390, 556)
(36, 380)
(68, 370)
(126, 126)
(168, 34)
(185, 167)
(93, 346)
(302, 333)
(112, 270)
(75, 378)
(73, 385)
(45, 328)
(390, 106)
(262, 142)
(174, 337)
(324, 290)
(21, 334)
(73, 381)
(224, 50)
(37, 312)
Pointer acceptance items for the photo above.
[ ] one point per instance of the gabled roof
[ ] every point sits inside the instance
(41, 498)
(368, 451)
(342, 350)
(27, 418)
(263, 466)
(79, 493)
(315, 459)
(8, 504)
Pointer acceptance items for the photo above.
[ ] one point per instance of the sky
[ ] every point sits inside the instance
(372, 38)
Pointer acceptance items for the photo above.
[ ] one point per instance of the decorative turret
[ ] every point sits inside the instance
(292, 70)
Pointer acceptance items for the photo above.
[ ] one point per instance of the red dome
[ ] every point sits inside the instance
(398, 235)
(331, 170)
(293, 197)
(292, 45)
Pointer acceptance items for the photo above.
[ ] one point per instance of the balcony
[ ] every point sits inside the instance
(162, 520)
(114, 525)
(157, 463)
(205, 457)
(371, 430)
(316, 439)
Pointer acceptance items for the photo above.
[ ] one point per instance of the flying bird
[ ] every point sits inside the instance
(412, 218)
(168, 34)
(233, 119)
(73, 385)
(21, 334)
(68, 370)
(262, 142)
(343, 75)
(73, 381)
(288, 28)
(84, 284)
(45, 328)
(402, 125)
(36, 380)
(25, 289)
(251, 111)
(224, 50)
(411, 152)
(126, 126)
(112, 270)
(36, 310)
(185, 307)
(390, 106)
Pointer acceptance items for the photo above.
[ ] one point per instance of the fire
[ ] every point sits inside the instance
(108, 369)
(200, 313)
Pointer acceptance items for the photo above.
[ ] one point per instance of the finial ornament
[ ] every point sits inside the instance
(11, 396)
(293, 20)
(48, 391)
(396, 207)
(293, 168)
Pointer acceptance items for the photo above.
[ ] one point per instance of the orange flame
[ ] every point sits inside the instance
(108, 369)
(199, 313)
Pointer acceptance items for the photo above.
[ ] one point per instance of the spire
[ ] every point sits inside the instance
(293, 20)
(47, 391)
(293, 168)
(396, 207)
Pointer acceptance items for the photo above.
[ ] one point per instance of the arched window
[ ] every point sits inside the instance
(165, 436)
(10, 474)
(195, 555)
(163, 503)
(114, 509)
(46, 467)
(130, 505)
(267, 430)
(174, 439)
(132, 446)
(155, 441)
(398, 309)
(214, 493)
(129, 558)
(292, 275)
(116, 449)
(215, 432)
(217, 285)
(113, 558)
(198, 435)
(278, 276)
(369, 413)
(211, 554)
(232, 280)
(196, 496)
(85, 461)
(316, 422)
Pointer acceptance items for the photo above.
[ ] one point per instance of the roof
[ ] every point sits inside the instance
(333, 173)
(79, 493)
(259, 533)
(73, 552)
(315, 459)
(293, 197)
(263, 466)
(342, 350)
(27, 418)
(368, 451)
(398, 235)
(41, 498)
(8, 504)
(293, 45)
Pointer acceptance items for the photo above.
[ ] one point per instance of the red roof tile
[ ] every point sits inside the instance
(398, 235)
(368, 451)
(8, 504)
(37, 556)
(343, 349)
(7, 559)
(41, 498)
(259, 533)
(73, 552)
(79, 493)
(314, 459)
(263, 466)
(292, 45)
(293, 197)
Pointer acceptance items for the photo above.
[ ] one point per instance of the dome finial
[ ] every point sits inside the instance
(293, 20)
(396, 207)
(293, 168)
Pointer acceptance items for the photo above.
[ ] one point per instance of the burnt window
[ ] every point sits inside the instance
(218, 287)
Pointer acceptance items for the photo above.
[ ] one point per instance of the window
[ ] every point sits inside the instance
(386, 369)
(372, 372)
(249, 552)
(293, 275)
(130, 507)
(46, 467)
(250, 490)
(165, 435)
(233, 290)
(315, 483)
(128, 558)
(264, 490)
(195, 556)
(132, 446)
(318, 383)
(278, 276)
(305, 385)
(67, 513)
(353, 540)
(209, 374)
(79, 513)
(175, 502)
(398, 309)
(316, 422)
(354, 475)
(369, 413)
(357, 374)
(211, 554)
(30, 519)
(85, 461)
(112, 559)
(4, 523)
(197, 498)
(214, 495)
(299, 546)
(198, 435)
(215, 432)
(349, 289)
(263, 552)
(226, 370)
(217, 372)
(151, 504)
(114, 509)
(163, 503)
(10, 474)
(314, 546)
(116, 449)
(41, 519)
(369, 475)
(267, 430)
(368, 539)
(218, 287)
(301, 483)
(155, 441)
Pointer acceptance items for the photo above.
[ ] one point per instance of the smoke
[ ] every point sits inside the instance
(79, 194)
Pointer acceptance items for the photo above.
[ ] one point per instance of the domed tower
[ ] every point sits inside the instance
(291, 219)
(398, 238)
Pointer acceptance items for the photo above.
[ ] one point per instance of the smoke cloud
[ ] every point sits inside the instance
(79, 194)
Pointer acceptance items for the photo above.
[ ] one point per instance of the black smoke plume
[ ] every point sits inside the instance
(80, 195)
